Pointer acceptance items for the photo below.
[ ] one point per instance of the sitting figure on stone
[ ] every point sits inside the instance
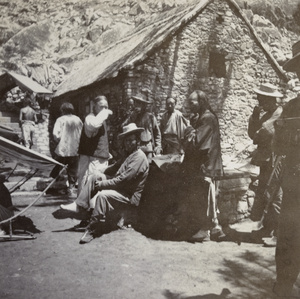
(267, 202)
(172, 126)
(102, 195)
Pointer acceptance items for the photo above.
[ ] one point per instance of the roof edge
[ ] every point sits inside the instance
(273, 61)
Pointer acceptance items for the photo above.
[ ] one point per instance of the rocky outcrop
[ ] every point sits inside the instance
(77, 30)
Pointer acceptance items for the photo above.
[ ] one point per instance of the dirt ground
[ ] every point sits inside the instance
(126, 264)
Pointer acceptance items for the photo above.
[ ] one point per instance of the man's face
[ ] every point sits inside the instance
(140, 107)
(265, 102)
(130, 143)
(170, 105)
(99, 106)
(130, 105)
(193, 102)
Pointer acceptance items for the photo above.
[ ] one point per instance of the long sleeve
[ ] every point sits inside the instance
(57, 130)
(156, 133)
(93, 123)
(130, 178)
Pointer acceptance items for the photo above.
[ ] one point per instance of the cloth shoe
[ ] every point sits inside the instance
(82, 226)
(91, 230)
(258, 235)
(73, 207)
(216, 233)
(270, 242)
(201, 236)
(87, 237)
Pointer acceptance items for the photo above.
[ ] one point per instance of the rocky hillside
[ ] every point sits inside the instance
(49, 39)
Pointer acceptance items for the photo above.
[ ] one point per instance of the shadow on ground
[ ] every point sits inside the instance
(224, 294)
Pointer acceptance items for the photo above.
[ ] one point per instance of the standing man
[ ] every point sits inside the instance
(27, 120)
(94, 147)
(203, 163)
(172, 126)
(151, 137)
(67, 131)
(116, 193)
(261, 130)
(287, 142)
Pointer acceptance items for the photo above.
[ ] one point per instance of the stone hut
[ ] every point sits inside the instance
(209, 46)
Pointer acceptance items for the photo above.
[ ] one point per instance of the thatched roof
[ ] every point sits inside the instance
(138, 45)
(9, 80)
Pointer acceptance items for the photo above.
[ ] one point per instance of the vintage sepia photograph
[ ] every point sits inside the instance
(150, 149)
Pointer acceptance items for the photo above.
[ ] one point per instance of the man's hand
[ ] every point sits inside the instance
(97, 186)
(158, 150)
(256, 113)
(106, 113)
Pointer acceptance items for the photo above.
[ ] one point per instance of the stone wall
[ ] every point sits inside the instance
(41, 135)
(215, 53)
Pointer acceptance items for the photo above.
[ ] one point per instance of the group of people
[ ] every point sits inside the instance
(105, 188)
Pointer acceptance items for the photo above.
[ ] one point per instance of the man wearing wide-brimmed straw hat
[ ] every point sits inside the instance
(261, 131)
(287, 143)
(117, 192)
(151, 136)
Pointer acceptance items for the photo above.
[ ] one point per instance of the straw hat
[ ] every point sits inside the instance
(268, 89)
(130, 129)
(293, 64)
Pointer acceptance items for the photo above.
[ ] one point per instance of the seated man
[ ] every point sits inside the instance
(124, 188)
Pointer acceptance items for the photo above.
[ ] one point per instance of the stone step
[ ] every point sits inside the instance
(14, 126)
(35, 184)
(8, 117)
(5, 119)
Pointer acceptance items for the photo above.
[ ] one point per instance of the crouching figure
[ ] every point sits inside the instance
(103, 195)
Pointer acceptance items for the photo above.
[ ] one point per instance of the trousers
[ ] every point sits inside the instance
(102, 202)
(27, 132)
(87, 166)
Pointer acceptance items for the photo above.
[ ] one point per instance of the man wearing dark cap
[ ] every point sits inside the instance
(115, 193)
(261, 131)
(151, 136)
(287, 143)
(172, 125)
